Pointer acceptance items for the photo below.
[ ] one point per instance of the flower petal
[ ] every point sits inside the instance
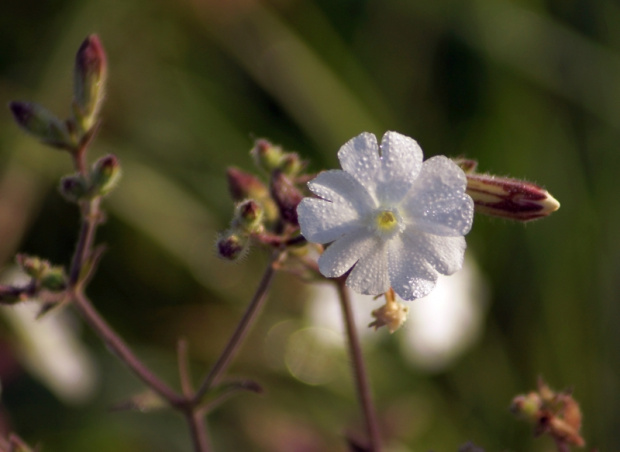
(341, 255)
(323, 221)
(411, 276)
(437, 202)
(444, 254)
(401, 161)
(360, 158)
(342, 188)
(370, 274)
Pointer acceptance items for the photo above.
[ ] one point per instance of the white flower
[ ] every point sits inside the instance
(397, 221)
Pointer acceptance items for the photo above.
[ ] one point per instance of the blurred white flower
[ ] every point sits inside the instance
(397, 221)
(439, 327)
(49, 348)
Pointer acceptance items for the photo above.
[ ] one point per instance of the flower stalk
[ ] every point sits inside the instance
(362, 383)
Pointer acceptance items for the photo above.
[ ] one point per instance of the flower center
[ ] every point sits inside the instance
(386, 220)
(387, 223)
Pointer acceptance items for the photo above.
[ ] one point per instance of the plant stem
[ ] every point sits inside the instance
(90, 221)
(122, 351)
(243, 328)
(359, 371)
(198, 432)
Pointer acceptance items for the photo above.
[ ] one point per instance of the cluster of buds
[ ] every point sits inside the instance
(102, 178)
(265, 212)
(43, 276)
(554, 413)
(505, 197)
(88, 92)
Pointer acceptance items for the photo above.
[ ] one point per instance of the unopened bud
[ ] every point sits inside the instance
(105, 174)
(33, 266)
(54, 279)
(266, 155)
(286, 196)
(42, 124)
(509, 198)
(249, 216)
(243, 185)
(291, 164)
(527, 407)
(232, 245)
(89, 81)
(73, 188)
(391, 315)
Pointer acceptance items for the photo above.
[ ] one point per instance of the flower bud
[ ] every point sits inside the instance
(73, 188)
(232, 245)
(266, 155)
(89, 81)
(244, 185)
(286, 196)
(42, 124)
(291, 164)
(526, 406)
(33, 266)
(54, 279)
(509, 198)
(249, 216)
(105, 174)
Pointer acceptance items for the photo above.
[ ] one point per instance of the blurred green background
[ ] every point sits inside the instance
(529, 88)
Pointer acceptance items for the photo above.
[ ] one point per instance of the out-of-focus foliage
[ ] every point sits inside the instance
(528, 88)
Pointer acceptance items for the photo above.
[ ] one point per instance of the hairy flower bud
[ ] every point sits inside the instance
(33, 266)
(291, 164)
(232, 245)
(73, 188)
(89, 81)
(286, 196)
(42, 124)
(243, 185)
(266, 155)
(509, 198)
(249, 216)
(54, 279)
(105, 174)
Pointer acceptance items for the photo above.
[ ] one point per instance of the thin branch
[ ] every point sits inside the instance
(184, 371)
(359, 371)
(241, 331)
(122, 350)
(198, 432)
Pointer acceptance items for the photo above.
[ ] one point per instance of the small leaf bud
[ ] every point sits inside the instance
(266, 155)
(243, 185)
(105, 174)
(89, 81)
(73, 188)
(42, 124)
(286, 196)
(513, 199)
(232, 245)
(249, 216)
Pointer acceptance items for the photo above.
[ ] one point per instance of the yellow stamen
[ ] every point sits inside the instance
(386, 220)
